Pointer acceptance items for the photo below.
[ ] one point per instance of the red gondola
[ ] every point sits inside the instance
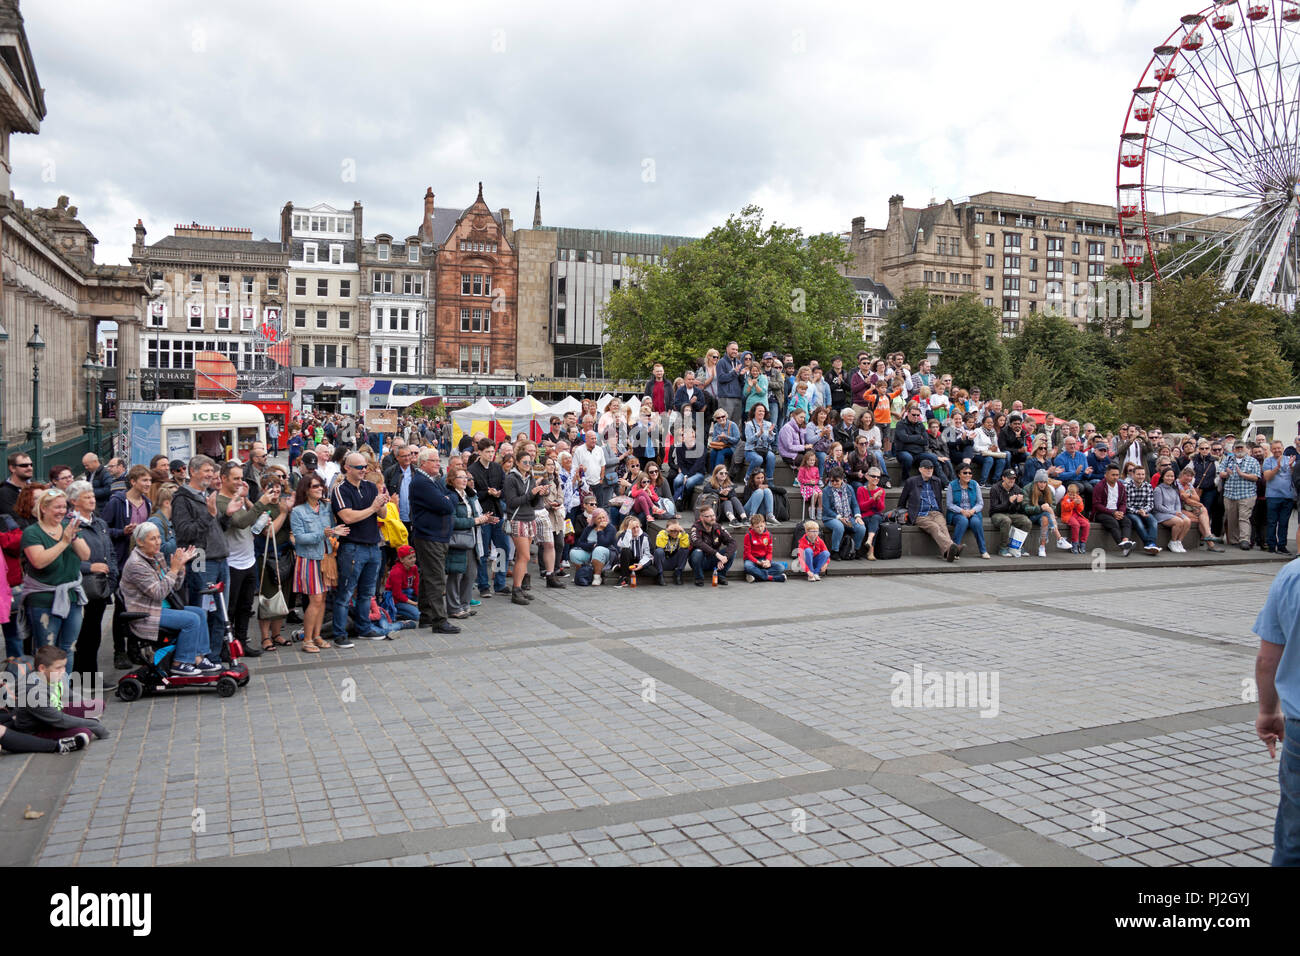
(1257, 11)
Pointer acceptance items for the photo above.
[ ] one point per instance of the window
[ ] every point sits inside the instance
(1074, 248)
(223, 318)
(988, 238)
(273, 284)
(929, 276)
(1055, 267)
(343, 356)
(223, 283)
(478, 284)
(196, 317)
(305, 356)
(1033, 243)
(412, 252)
(300, 320)
(300, 286)
(561, 322)
(322, 288)
(988, 302)
(246, 318)
(1074, 268)
(403, 323)
(326, 356)
(383, 252)
(1010, 305)
(157, 315)
(1096, 250)
(1010, 263)
(345, 288)
(979, 217)
(1033, 265)
(345, 319)
(1055, 246)
(412, 284)
(196, 282)
(309, 252)
(322, 318)
(381, 282)
(1033, 285)
(476, 321)
(1011, 240)
(618, 283)
(336, 255)
(298, 223)
(564, 255)
(988, 282)
(464, 358)
(1114, 252)
(464, 320)
(246, 285)
(1010, 284)
(988, 261)
(1096, 270)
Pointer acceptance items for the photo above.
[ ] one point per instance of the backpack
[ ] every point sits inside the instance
(583, 576)
(847, 551)
(706, 497)
(888, 543)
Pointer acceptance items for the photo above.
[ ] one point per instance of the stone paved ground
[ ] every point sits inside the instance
(752, 725)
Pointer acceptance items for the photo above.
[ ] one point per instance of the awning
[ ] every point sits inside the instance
(214, 377)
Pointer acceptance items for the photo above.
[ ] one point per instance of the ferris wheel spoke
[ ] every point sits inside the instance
(1224, 41)
(1278, 137)
(1199, 118)
(1215, 85)
(1203, 191)
(1211, 217)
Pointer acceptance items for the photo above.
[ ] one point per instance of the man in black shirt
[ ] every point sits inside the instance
(489, 480)
(20, 476)
(356, 503)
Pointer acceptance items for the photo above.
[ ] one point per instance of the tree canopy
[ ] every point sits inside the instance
(970, 335)
(768, 288)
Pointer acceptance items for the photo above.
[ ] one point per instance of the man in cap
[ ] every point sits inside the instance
(920, 505)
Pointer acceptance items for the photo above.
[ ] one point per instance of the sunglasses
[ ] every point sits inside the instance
(358, 467)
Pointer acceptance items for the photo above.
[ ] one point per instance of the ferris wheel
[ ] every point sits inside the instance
(1209, 160)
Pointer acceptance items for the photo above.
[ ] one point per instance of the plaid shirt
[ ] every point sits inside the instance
(1235, 486)
(1141, 496)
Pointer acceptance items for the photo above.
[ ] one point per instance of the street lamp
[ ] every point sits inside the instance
(474, 388)
(532, 380)
(37, 346)
(582, 384)
(933, 352)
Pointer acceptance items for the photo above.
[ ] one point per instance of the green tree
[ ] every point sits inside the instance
(769, 288)
(969, 333)
(1035, 385)
(1203, 357)
(1073, 356)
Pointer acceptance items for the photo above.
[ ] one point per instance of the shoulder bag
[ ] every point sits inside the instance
(274, 607)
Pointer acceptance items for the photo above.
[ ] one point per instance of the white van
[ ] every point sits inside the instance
(220, 431)
(1272, 418)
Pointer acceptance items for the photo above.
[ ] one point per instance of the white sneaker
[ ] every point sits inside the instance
(1063, 544)
(1042, 551)
(595, 580)
(1177, 547)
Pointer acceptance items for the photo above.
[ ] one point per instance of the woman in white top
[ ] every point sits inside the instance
(635, 554)
(990, 459)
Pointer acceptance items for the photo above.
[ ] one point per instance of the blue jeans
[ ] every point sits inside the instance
(579, 557)
(873, 522)
(684, 483)
(358, 573)
(1145, 528)
(701, 562)
(764, 460)
(190, 623)
(775, 573)
(720, 456)
(906, 460)
(990, 468)
(1276, 520)
(1286, 830)
(838, 527)
(492, 534)
(60, 631)
(818, 563)
(407, 611)
(959, 523)
(215, 570)
(760, 502)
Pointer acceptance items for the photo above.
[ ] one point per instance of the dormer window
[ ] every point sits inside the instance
(383, 252)
(412, 252)
(309, 252)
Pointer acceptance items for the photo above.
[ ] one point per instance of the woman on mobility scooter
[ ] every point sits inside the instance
(149, 590)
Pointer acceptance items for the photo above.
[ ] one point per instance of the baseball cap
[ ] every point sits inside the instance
(768, 355)
(309, 459)
(176, 465)
(404, 550)
(925, 463)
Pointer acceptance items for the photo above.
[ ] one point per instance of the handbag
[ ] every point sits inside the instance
(96, 587)
(273, 607)
(329, 564)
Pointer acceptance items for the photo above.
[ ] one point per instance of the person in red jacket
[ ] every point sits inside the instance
(759, 565)
(1110, 508)
(812, 549)
(404, 584)
(11, 534)
(871, 502)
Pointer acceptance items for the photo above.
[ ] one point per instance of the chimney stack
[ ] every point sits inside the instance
(426, 227)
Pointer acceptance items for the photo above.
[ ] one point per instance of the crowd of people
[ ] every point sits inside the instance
(363, 536)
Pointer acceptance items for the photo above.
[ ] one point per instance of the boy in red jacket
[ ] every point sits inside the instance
(759, 565)
(404, 584)
(816, 556)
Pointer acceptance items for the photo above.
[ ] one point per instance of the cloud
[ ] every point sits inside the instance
(818, 112)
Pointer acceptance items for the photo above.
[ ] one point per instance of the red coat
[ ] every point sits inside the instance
(758, 547)
(399, 579)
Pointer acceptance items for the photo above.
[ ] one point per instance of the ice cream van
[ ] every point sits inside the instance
(1272, 418)
(220, 431)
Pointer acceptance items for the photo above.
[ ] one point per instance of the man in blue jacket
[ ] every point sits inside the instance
(731, 382)
(1074, 468)
(431, 515)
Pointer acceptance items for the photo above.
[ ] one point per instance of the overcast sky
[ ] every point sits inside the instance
(649, 117)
